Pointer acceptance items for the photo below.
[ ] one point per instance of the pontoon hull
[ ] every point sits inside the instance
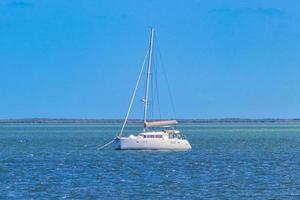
(127, 143)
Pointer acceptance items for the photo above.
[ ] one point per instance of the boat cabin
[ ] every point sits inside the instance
(164, 134)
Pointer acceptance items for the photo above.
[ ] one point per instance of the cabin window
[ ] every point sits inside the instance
(152, 136)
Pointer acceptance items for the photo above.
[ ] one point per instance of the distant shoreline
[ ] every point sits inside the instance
(136, 121)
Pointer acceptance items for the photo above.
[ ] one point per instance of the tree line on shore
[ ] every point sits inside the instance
(137, 121)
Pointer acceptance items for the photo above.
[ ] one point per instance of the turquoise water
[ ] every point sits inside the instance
(230, 161)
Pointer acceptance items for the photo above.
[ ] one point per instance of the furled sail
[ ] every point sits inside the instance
(160, 123)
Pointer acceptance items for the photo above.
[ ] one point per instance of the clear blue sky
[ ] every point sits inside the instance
(80, 59)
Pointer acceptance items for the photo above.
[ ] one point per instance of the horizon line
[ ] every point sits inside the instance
(108, 120)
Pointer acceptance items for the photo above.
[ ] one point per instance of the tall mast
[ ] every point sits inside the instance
(148, 77)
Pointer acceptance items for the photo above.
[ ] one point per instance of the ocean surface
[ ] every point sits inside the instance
(228, 161)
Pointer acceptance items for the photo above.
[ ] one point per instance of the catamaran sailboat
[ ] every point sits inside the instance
(151, 138)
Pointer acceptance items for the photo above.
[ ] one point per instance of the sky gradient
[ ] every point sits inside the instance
(80, 59)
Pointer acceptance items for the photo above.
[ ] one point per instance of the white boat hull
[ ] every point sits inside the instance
(138, 143)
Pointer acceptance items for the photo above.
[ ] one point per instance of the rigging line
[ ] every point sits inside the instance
(133, 96)
(105, 145)
(157, 93)
(152, 88)
(166, 78)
